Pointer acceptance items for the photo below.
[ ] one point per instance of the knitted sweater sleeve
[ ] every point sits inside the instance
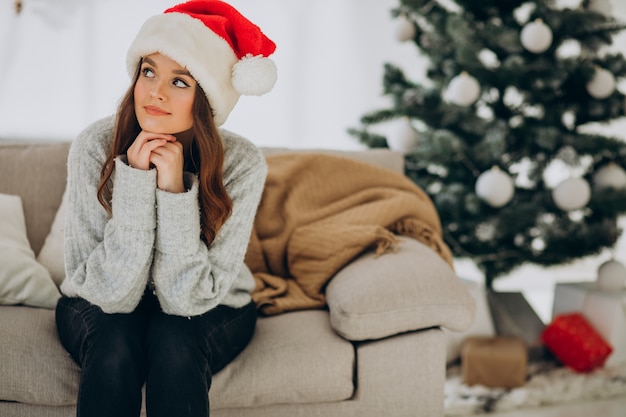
(107, 258)
(191, 278)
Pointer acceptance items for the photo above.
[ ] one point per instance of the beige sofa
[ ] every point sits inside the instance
(378, 350)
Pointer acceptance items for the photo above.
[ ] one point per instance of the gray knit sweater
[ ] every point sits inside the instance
(154, 235)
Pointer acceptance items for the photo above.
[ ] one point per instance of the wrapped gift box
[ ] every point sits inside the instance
(605, 311)
(576, 343)
(497, 362)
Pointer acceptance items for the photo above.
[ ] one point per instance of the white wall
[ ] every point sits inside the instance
(62, 66)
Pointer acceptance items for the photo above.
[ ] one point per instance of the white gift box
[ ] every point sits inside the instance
(605, 310)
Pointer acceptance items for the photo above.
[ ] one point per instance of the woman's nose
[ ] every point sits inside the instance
(157, 91)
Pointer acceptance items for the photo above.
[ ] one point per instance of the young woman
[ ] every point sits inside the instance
(160, 209)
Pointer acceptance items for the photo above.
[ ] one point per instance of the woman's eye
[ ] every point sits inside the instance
(180, 83)
(147, 72)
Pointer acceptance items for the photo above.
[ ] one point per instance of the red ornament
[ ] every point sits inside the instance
(575, 342)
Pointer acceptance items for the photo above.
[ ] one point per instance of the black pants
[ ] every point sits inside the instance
(174, 356)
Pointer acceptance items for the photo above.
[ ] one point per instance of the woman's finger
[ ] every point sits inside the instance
(138, 153)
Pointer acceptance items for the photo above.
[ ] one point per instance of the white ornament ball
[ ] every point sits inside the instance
(610, 176)
(405, 29)
(463, 90)
(536, 36)
(495, 187)
(404, 138)
(602, 84)
(571, 194)
(603, 7)
(611, 276)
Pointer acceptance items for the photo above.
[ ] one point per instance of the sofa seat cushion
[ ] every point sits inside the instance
(292, 358)
(35, 368)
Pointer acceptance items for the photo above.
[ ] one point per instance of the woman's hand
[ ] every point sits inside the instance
(163, 152)
(139, 152)
(169, 161)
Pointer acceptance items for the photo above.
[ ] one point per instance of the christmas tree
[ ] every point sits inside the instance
(502, 130)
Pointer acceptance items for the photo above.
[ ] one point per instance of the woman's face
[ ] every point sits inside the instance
(164, 95)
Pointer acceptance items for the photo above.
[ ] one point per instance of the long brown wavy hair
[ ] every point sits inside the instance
(207, 154)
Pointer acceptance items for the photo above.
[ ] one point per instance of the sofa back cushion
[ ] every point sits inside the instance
(37, 173)
(381, 157)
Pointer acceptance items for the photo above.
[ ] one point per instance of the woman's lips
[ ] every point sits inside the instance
(155, 111)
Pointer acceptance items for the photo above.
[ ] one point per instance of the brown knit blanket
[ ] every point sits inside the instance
(320, 211)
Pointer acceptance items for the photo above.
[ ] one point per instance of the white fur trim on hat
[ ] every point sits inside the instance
(208, 58)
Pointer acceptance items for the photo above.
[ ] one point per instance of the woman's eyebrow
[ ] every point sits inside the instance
(149, 61)
(179, 72)
(182, 72)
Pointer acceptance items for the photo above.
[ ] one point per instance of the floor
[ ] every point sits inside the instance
(604, 408)
(537, 284)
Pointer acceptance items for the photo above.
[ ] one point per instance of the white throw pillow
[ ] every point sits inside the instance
(22, 279)
(52, 253)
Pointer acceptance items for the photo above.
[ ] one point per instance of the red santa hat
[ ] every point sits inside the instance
(225, 52)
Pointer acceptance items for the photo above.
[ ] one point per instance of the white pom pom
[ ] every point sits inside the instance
(254, 75)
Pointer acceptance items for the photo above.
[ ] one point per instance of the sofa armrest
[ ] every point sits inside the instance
(410, 289)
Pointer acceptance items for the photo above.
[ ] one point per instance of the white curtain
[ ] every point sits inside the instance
(62, 66)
